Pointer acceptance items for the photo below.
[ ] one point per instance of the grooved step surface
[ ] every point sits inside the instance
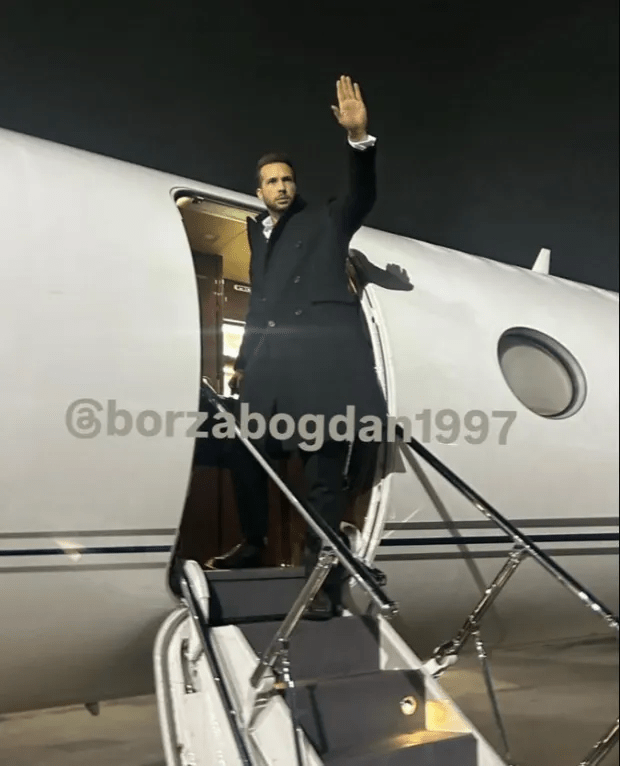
(250, 595)
(342, 646)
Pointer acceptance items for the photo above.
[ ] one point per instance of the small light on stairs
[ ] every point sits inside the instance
(408, 705)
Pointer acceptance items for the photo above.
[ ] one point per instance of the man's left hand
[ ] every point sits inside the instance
(351, 110)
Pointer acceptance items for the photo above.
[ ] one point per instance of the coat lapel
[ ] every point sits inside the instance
(262, 250)
(297, 205)
(258, 248)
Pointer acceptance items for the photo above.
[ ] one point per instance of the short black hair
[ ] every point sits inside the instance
(268, 159)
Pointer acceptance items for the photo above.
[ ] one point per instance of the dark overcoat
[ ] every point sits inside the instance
(305, 348)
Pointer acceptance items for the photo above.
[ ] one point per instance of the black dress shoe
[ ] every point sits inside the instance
(174, 576)
(242, 556)
(321, 608)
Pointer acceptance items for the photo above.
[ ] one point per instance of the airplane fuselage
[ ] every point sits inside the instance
(99, 307)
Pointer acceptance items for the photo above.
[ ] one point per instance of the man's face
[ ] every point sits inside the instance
(278, 188)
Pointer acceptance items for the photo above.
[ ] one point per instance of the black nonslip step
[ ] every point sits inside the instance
(342, 646)
(426, 748)
(338, 714)
(353, 713)
(251, 595)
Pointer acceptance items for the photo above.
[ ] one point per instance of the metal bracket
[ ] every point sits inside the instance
(447, 654)
(186, 663)
(284, 670)
(488, 679)
(602, 748)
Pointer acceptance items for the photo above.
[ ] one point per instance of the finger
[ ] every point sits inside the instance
(345, 92)
(339, 91)
(349, 87)
(358, 92)
(336, 111)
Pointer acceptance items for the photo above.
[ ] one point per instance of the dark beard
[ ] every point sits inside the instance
(277, 211)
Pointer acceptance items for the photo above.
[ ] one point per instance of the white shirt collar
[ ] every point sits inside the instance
(268, 225)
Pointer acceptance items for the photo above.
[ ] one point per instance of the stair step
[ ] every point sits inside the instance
(253, 595)
(359, 711)
(426, 748)
(343, 646)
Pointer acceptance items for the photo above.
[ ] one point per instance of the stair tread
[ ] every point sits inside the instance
(380, 677)
(342, 646)
(423, 748)
(345, 712)
(256, 573)
(252, 595)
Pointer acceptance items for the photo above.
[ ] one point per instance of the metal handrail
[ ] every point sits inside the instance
(560, 574)
(356, 568)
(447, 653)
(200, 621)
(285, 631)
(362, 575)
(603, 747)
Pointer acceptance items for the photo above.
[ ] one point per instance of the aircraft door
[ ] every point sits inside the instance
(209, 279)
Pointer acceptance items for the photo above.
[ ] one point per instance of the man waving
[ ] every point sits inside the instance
(305, 351)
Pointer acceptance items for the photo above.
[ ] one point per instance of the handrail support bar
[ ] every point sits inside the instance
(603, 747)
(560, 574)
(309, 591)
(447, 654)
(488, 680)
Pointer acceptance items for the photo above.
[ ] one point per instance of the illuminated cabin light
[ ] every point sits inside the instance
(408, 705)
(233, 335)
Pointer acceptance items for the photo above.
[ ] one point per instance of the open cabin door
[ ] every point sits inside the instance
(209, 281)
(217, 236)
(209, 524)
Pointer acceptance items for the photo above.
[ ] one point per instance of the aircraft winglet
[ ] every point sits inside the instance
(543, 261)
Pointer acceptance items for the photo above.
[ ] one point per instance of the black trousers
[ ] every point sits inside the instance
(249, 479)
(324, 471)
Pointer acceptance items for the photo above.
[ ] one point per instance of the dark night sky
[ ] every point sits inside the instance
(498, 122)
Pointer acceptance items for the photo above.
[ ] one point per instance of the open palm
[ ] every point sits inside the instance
(351, 110)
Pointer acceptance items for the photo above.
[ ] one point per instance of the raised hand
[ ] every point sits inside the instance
(351, 110)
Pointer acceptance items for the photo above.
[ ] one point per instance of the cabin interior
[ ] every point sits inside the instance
(209, 526)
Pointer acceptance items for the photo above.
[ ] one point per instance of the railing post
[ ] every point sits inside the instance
(488, 680)
(284, 632)
(602, 748)
(285, 668)
(199, 619)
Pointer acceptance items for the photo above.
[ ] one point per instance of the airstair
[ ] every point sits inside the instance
(243, 680)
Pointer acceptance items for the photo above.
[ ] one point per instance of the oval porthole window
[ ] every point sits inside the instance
(541, 373)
